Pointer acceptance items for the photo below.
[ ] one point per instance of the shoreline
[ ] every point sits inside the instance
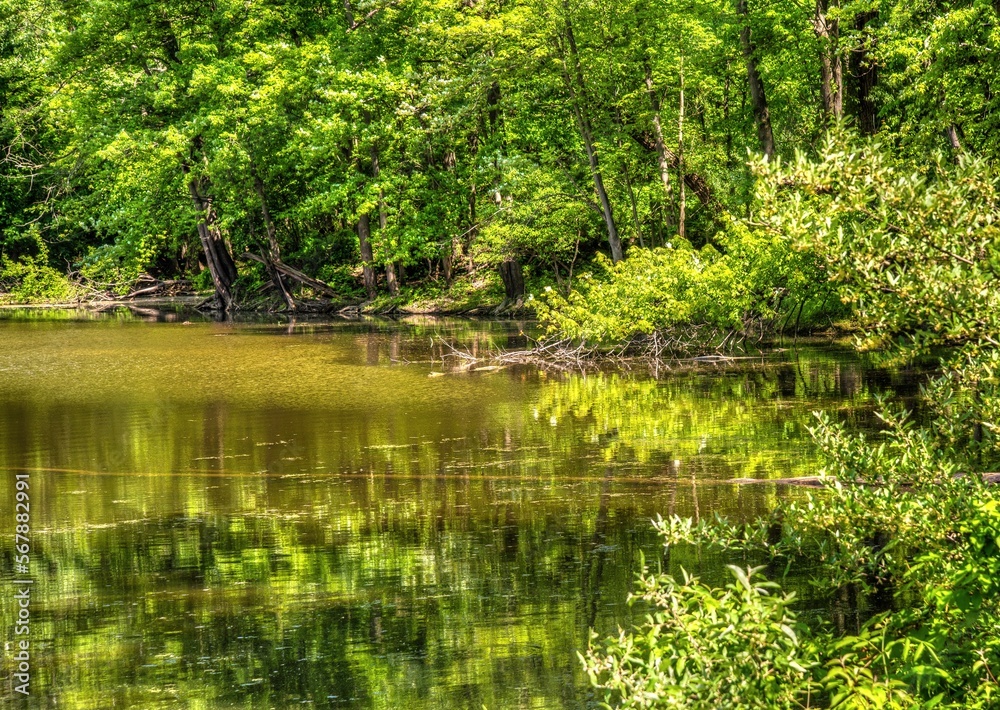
(310, 308)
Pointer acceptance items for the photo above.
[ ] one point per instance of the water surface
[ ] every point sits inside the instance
(335, 514)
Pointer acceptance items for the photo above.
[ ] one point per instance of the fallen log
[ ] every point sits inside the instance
(158, 286)
(295, 274)
(822, 482)
(809, 481)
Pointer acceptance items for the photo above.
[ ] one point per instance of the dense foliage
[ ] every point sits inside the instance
(385, 144)
(753, 283)
(646, 166)
(908, 521)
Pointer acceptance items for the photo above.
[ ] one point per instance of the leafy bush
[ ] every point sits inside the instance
(754, 280)
(906, 517)
(737, 647)
(914, 248)
(116, 267)
(31, 280)
(533, 220)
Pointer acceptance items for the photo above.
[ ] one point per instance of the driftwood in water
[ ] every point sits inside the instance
(296, 275)
(808, 481)
(559, 355)
(821, 482)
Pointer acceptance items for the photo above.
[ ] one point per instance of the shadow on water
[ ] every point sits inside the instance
(328, 513)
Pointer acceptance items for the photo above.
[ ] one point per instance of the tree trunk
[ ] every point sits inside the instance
(447, 261)
(513, 279)
(455, 244)
(376, 171)
(390, 270)
(364, 239)
(364, 221)
(614, 241)
(762, 116)
(473, 230)
(577, 93)
(865, 75)
(493, 102)
(730, 163)
(661, 152)
(296, 275)
(953, 141)
(391, 282)
(831, 67)
(682, 213)
(273, 253)
(635, 207)
(220, 261)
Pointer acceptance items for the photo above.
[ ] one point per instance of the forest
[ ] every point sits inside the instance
(659, 177)
(387, 152)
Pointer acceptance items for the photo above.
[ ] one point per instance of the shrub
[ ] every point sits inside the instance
(753, 282)
(117, 267)
(736, 647)
(31, 280)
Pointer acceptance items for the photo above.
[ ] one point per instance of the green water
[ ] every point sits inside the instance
(336, 515)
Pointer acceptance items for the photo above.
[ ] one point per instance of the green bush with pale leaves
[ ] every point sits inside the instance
(752, 280)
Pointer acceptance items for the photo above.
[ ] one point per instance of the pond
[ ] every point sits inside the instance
(338, 514)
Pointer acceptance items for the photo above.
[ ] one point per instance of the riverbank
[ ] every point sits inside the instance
(464, 297)
(185, 307)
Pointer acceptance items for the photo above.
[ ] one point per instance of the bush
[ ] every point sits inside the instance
(31, 280)
(755, 281)
(117, 267)
(737, 647)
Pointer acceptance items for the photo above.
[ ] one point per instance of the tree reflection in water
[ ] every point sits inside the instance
(258, 516)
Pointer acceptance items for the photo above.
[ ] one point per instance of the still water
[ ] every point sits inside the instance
(336, 514)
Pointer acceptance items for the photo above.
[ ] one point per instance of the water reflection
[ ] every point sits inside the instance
(333, 514)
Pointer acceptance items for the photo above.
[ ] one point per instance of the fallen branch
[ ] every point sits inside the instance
(558, 354)
(295, 274)
(808, 481)
(660, 349)
(694, 181)
(824, 481)
(171, 286)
